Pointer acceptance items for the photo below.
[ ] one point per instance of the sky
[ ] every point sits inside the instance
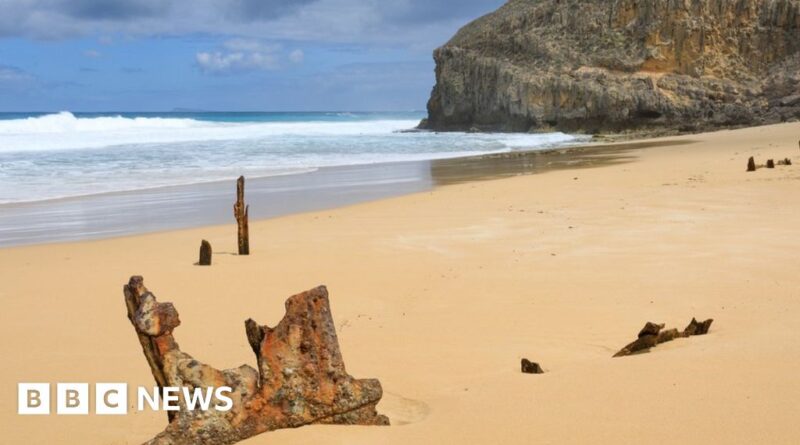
(236, 55)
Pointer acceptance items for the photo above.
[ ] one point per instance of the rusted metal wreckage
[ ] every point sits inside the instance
(653, 334)
(301, 378)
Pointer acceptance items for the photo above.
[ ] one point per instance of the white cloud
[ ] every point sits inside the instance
(297, 56)
(221, 62)
(243, 55)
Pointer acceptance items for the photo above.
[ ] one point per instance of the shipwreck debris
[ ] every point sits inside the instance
(529, 367)
(751, 164)
(785, 161)
(301, 378)
(770, 163)
(697, 328)
(205, 254)
(653, 334)
(241, 211)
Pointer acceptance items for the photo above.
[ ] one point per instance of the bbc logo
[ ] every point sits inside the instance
(72, 398)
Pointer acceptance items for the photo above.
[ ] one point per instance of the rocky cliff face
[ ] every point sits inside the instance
(620, 65)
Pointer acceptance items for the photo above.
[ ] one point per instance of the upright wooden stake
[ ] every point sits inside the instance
(240, 211)
(751, 164)
(205, 253)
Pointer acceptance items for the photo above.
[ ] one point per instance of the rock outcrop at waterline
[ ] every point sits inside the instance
(610, 66)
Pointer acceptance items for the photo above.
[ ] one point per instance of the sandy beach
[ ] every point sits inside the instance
(439, 294)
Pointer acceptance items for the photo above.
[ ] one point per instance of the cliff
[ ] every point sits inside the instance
(621, 65)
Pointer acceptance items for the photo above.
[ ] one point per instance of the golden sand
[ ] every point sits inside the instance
(440, 294)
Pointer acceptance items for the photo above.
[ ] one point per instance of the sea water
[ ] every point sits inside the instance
(55, 155)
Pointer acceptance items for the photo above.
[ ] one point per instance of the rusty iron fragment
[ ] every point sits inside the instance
(301, 378)
(653, 334)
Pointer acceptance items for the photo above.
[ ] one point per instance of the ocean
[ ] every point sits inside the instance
(45, 156)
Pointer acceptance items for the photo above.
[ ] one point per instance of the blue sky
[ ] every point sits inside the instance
(156, 55)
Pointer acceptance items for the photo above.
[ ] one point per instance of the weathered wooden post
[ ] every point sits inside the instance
(770, 163)
(751, 164)
(205, 253)
(240, 211)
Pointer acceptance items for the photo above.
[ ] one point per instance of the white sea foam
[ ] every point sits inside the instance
(64, 131)
(62, 155)
(516, 140)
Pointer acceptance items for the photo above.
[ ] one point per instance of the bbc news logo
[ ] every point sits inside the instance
(112, 398)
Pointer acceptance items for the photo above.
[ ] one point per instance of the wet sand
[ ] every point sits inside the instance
(165, 208)
(440, 293)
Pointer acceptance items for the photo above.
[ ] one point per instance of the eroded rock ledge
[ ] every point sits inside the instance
(301, 378)
(623, 65)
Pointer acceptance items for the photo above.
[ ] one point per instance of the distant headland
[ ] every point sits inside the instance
(596, 66)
